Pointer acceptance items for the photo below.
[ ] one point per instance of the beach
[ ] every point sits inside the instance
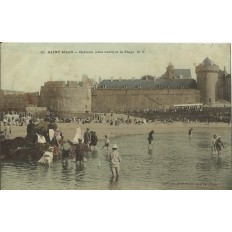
(112, 131)
(189, 161)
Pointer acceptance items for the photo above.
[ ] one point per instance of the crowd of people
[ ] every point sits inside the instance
(162, 114)
(188, 114)
(57, 147)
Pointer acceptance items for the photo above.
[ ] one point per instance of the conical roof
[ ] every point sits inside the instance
(207, 61)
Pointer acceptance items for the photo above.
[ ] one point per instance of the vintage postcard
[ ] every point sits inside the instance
(121, 116)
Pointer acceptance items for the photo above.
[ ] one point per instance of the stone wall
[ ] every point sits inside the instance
(18, 101)
(131, 100)
(66, 97)
(223, 88)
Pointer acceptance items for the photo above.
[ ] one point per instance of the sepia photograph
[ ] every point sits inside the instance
(115, 116)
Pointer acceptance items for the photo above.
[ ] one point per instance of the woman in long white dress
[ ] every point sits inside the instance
(77, 135)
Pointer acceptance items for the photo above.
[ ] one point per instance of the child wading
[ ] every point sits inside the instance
(150, 139)
(80, 151)
(115, 159)
(219, 145)
(66, 147)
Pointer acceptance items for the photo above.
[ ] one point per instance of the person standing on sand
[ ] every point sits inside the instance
(190, 133)
(150, 138)
(7, 130)
(114, 158)
(31, 135)
(30, 128)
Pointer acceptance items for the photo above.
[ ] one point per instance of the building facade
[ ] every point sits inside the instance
(223, 86)
(173, 73)
(136, 100)
(143, 95)
(175, 86)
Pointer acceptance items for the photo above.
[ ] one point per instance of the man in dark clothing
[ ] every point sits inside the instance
(94, 140)
(66, 147)
(30, 128)
(87, 137)
(2, 136)
(190, 133)
(80, 151)
(150, 136)
(31, 131)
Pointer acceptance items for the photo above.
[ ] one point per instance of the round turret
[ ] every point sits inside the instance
(62, 96)
(207, 76)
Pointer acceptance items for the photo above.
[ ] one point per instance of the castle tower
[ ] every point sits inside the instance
(170, 71)
(207, 76)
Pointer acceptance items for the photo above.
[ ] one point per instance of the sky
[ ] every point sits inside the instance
(26, 66)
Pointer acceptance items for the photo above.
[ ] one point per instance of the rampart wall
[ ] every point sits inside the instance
(18, 101)
(131, 100)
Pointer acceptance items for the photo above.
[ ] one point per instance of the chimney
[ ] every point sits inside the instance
(120, 78)
(133, 78)
(112, 78)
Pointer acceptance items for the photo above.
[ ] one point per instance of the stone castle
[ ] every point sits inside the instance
(70, 96)
(175, 86)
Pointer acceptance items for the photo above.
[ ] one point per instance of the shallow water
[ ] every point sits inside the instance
(175, 163)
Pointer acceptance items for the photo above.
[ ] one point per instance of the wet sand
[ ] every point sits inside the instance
(103, 129)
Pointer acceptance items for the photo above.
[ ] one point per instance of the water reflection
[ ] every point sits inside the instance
(113, 183)
(150, 151)
(80, 172)
(218, 162)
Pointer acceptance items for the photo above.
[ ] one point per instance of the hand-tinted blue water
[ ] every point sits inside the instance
(175, 163)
